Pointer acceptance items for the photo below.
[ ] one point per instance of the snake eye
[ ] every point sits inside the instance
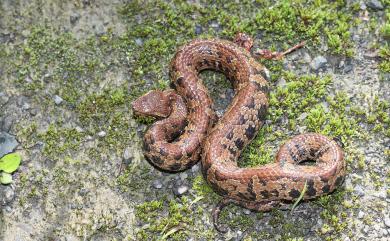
(338, 140)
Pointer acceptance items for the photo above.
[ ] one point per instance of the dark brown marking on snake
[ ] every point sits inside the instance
(163, 152)
(178, 156)
(250, 132)
(251, 104)
(275, 193)
(175, 166)
(230, 135)
(294, 193)
(301, 151)
(239, 144)
(261, 112)
(326, 188)
(180, 81)
(232, 151)
(250, 190)
(292, 154)
(339, 180)
(265, 194)
(311, 191)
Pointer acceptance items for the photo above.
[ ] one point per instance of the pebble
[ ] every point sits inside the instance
(195, 168)
(83, 191)
(139, 42)
(359, 190)
(33, 111)
(375, 4)
(318, 62)
(198, 29)
(74, 17)
(6, 123)
(183, 176)
(387, 221)
(247, 211)
(157, 184)
(361, 214)
(7, 195)
(57, 99)
(101, 134)
(3, 98)
(7, 143)
(214, 24)
(180, 190)
(127, 153)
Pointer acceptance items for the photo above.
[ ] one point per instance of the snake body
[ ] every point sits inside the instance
(186, 132)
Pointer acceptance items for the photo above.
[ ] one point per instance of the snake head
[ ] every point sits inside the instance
(243, 40)
(155, 103)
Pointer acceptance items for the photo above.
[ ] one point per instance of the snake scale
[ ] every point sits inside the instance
(188, 130)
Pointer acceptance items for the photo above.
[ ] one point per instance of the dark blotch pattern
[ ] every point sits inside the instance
(294, 193)
(180, 81)
(311, 191)
(239, 143)
(178, 156)
(175, 166)
(265, 194)
(301, 151)
(339, 180)
(326, 188)
(292, 154)
(250, 190)
(229, 136)
(250, 132)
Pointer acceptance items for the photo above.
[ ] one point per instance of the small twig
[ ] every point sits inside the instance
(268, 54)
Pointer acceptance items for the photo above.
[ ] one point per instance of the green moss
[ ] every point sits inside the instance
(202, 189)
(384, 53)
(59, 141)
(172, 219)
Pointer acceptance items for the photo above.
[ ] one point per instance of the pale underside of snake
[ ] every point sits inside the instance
(188, 130)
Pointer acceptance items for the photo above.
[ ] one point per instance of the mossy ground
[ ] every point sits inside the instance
(98, 76)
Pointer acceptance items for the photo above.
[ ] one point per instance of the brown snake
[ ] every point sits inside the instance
(186, 132)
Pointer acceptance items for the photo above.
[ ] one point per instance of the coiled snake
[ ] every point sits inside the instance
(186, 133)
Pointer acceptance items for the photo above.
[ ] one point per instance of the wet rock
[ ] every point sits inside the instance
(7, 143)
(183, 176)
(83, 191)
(318, 62)
(157, 184)
(74, 17)
(180, 190)
(359, 190)
(195, 168)
(7, 195)
(101, 134)
(375, 5)
(6, 123)
(214, 24)
(247, 211)
(57, 99)
(198, 29)
(361, 214)
(387, 221)
(33, 111)
(139, 42)
(3, 98)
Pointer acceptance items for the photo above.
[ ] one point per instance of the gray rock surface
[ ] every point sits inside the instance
(8, 143)
(375, 4)
(318, 62)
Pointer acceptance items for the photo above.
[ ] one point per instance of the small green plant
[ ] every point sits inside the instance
(8, 164)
